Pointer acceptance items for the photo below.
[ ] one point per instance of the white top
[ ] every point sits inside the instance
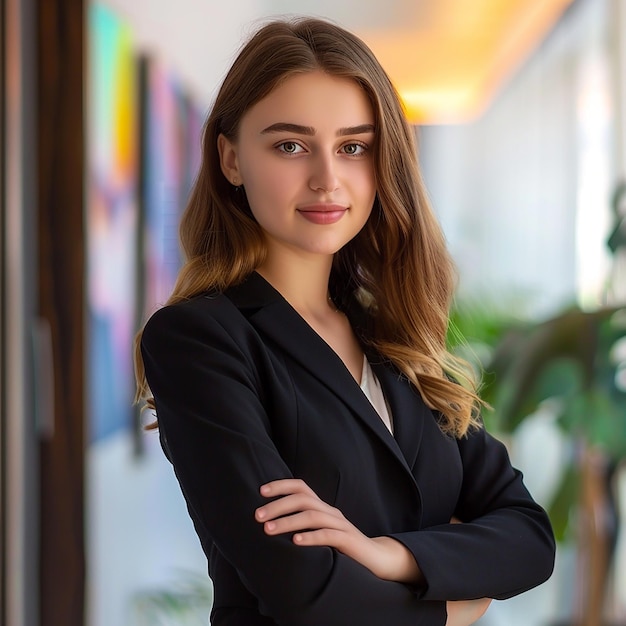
(374, 393)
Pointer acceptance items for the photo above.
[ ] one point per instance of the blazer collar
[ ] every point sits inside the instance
(269, 312)
(407, 407)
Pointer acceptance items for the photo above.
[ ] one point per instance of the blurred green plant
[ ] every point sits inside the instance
(475, 329)
(187, 602)
(576, 361)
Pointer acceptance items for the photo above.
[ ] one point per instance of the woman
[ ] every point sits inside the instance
(299, 373)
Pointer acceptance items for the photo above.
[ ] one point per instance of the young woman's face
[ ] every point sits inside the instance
(304, 157)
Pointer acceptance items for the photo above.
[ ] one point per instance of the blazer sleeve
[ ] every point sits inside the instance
(201, 370)
(505, 544)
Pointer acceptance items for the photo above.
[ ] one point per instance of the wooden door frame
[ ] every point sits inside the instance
(19, 254)
(3, 469)
(61, 168)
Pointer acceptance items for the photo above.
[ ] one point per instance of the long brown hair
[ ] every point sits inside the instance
(398, 264)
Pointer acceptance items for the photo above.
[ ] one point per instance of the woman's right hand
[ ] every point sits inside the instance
(466, 612)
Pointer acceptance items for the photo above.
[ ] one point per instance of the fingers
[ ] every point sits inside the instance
(293, 496)
(291, 503)
(305, 521)
(297, 513)
(299, 510)
(333, 538)
(295, 503)
(284, 487)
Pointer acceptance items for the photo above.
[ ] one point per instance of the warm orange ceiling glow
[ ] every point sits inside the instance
(448, 68)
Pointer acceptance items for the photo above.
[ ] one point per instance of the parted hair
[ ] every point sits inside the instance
(397, 267)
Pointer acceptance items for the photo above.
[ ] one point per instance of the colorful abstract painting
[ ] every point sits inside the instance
(144, 153)
(171, 154)
(111, 221)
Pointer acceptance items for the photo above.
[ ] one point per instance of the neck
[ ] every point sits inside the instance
(303, 282)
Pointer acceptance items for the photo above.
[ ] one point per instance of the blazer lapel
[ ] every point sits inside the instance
(407, 409)
(276, 319)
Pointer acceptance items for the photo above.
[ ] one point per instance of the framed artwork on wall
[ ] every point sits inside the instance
(170, 155)
(144, 153)
(111, 221)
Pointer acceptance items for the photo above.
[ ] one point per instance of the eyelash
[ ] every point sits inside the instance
(364, 148)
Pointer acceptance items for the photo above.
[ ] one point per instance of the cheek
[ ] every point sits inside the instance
(366, 186)
(366, 178)
(266, 180)
(267, 196)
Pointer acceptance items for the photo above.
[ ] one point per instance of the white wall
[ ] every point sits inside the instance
(512, 187)
(140, 538)
(195, 38)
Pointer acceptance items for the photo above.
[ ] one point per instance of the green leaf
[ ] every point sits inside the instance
(564, 501)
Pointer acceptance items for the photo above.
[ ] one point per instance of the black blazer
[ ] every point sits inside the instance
(246, 392)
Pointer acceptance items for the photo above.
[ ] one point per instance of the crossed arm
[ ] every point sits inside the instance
(297, 509)
(328, 569)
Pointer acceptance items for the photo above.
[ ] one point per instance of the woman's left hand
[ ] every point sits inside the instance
(299, 510)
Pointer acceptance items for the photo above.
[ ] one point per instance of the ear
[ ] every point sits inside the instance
(228, 160)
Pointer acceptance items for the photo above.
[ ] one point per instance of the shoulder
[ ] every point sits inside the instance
(206, 306)
(209, 313)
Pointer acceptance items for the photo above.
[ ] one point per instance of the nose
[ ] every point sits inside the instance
(324, 173)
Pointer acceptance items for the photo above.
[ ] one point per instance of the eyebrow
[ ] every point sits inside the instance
(310, 131)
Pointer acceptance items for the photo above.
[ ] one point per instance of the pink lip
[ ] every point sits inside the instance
(322, 213)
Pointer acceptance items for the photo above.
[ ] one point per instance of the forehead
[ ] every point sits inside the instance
(313, 99)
